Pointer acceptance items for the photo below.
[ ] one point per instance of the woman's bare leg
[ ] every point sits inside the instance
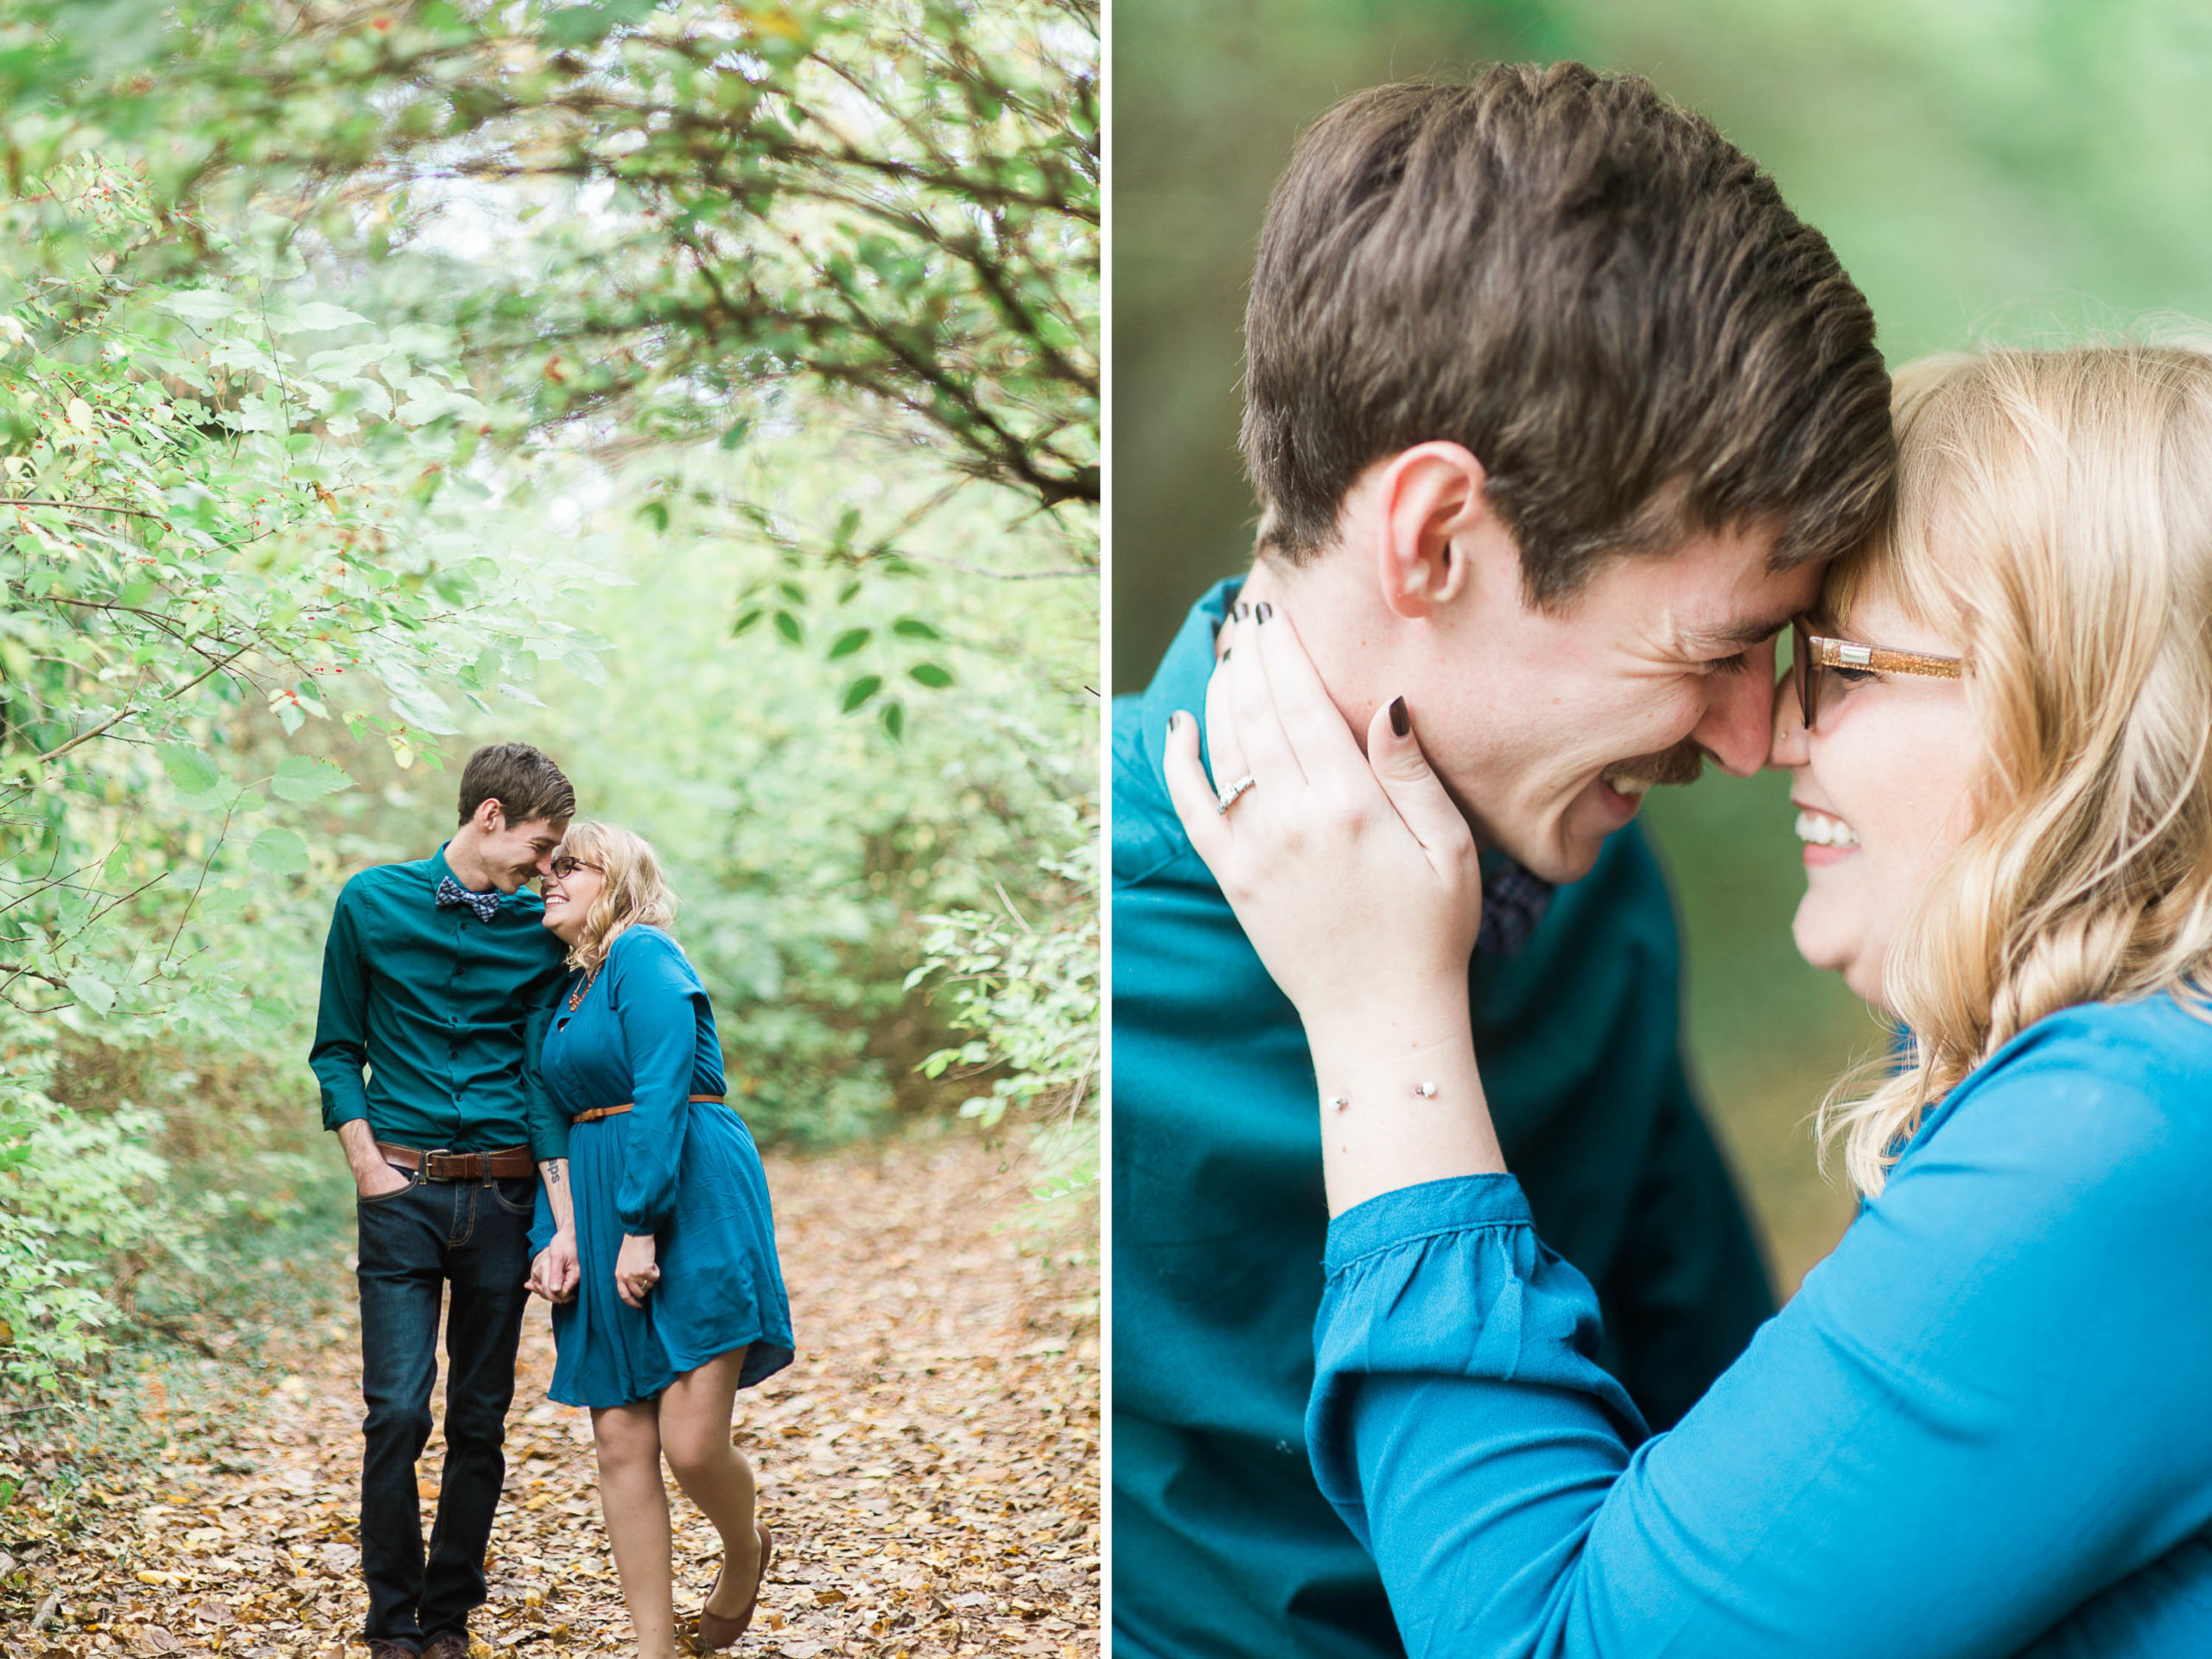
(695, 1416)
(635, 1503)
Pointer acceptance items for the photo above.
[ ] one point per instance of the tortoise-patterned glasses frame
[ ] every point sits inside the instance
(1811, 654)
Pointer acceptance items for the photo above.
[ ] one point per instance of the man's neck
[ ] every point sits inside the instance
(1303, 593)
(464, 858)
(1347, 634)
(1263, 582)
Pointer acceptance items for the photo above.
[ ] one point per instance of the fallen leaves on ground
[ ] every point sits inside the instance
(930, 1463)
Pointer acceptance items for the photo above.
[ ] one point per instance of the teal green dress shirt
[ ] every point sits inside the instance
(1224, 1548)
(1979, 1430)
(444, 1011)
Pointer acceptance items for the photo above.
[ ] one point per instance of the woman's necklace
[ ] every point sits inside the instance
(584, 989)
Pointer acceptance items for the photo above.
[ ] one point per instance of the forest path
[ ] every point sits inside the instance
(930, 1463)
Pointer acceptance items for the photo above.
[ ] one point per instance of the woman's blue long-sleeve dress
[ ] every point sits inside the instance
(687, 1173)
(1982, 1427)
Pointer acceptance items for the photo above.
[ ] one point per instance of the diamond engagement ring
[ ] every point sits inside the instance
(1229, 795)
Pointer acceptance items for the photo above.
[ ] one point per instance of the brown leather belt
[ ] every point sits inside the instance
(501, 1163)
(592, 1114)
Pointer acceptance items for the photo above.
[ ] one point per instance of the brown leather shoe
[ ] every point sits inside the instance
(380, 1648)
(719, 1630)
(454, 1644)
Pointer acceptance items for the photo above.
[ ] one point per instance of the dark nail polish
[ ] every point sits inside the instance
(1401, 719)
(1265, 611)
(1175, 721)
(1224, 655)
(1242, 610)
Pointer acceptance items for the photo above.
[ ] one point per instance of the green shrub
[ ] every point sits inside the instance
(79, 1202)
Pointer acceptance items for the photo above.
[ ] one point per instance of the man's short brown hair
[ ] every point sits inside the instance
(522, 779)
(1603, 299)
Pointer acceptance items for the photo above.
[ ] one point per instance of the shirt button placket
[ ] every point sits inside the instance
(453, 1035)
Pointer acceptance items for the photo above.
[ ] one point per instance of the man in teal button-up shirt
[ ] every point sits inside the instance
(428, 998)
(1555, 412)
(1222, 1543)
(436, 980)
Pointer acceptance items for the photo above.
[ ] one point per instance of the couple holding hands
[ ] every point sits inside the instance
(1558, 417)
(543, 1111)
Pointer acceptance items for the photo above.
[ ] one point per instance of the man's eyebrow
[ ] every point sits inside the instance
(1725, 642)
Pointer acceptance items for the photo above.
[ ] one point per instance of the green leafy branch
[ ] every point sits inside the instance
(1031, 997)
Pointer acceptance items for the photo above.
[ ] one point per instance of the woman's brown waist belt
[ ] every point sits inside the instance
(595, 1113)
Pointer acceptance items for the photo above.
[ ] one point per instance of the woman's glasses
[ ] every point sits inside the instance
(564, 867)
(1813, 656)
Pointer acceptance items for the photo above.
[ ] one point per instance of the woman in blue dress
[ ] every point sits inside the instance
(654, 1237)
(1981, 1426)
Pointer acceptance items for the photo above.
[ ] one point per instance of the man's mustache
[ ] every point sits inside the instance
(1683, 764)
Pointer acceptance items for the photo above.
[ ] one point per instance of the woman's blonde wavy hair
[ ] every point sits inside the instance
(2054, 515)
(633, 893)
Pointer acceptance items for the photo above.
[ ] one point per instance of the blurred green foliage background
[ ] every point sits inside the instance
(1986, 171)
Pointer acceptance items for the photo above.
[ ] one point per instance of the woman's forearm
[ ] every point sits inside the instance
(1980, 1403)
(554, 1173)
(1401, 1099)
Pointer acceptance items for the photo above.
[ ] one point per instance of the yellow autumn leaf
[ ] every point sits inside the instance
(773, 20)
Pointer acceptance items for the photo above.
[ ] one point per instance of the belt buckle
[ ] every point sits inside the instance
(429, 1159)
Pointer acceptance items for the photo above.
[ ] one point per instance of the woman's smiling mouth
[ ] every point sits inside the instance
(1827, 837)
(1824, 829)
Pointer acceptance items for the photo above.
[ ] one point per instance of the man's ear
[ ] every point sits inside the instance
(491, 817)
(1433, 526)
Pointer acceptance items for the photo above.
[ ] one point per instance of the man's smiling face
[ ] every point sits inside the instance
(1548, 726)
(515, 855)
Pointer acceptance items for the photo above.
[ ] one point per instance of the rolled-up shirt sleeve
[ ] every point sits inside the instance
(340, 1054)
(1986, 1408)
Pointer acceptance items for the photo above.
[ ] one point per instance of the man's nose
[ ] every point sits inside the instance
(1739, 716)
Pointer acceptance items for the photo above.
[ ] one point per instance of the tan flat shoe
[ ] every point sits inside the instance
(721, 1631)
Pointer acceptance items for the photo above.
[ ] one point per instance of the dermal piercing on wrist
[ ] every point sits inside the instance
(1423, 1090)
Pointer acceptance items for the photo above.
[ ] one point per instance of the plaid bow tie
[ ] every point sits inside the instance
(485, 904)
(1514, 901)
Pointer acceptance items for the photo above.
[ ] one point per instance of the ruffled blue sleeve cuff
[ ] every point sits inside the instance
(1447, 1278)
(1412, 1213)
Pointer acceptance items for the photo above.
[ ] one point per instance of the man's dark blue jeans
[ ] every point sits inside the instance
(474, 1237)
